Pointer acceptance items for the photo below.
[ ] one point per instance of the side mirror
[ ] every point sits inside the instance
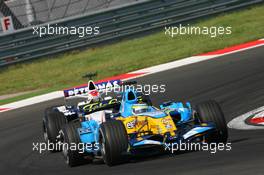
(188, 104)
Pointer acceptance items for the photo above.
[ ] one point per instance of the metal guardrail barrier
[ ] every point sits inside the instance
(114, 23)
(33, 12)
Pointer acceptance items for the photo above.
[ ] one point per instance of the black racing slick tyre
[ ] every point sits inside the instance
(211, 111)
(52, 124)
(70, 137)
(113, 141)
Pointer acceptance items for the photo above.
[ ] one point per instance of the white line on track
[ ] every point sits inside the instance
(175, 64)
(33, 100)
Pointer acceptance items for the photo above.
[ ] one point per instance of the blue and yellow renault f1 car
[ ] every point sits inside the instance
(111, 131)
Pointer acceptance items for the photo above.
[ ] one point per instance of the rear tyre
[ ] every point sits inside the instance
(113, 142)
(211, 111)
(70, 137)
(52, 124)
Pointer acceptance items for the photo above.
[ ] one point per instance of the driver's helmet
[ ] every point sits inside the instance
(93, 93)
(139, 108)
(93, 96)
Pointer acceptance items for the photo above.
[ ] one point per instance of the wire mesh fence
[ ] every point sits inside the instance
(32, 12)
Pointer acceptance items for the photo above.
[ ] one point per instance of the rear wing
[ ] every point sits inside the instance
(83, 89)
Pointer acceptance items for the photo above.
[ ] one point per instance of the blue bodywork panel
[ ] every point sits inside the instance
(178, 107)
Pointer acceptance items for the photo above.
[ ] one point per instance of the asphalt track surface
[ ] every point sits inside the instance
(236, 81)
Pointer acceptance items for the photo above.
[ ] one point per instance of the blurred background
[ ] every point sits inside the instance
(31, 12)
(118, 20)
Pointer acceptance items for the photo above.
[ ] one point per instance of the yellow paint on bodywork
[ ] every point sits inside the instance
(147, 124)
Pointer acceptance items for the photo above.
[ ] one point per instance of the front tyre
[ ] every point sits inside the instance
(211, 111)
(113, 142)
(70, 136)
(51, 124)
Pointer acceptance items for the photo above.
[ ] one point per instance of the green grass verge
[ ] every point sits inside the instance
(66, 70)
